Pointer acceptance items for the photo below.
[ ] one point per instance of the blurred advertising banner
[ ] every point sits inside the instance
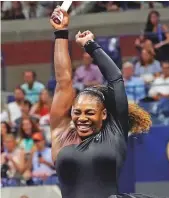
(146, 169)
(31, 192)
(111, 45)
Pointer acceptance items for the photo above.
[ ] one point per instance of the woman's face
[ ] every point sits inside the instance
(154, 19)
(27, 126)
(146, 57)
(88, 114)
(44, 97)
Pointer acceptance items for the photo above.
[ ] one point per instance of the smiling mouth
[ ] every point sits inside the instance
(83, 128)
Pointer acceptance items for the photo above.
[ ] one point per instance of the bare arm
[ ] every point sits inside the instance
(20, 166)
(34, 109)
(166, 30)
(166, 41)
(64, 93)
(63, 96)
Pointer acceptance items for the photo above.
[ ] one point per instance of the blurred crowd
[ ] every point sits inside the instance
(25, 121)
(25, 136)
(11, 10)
(112, 6)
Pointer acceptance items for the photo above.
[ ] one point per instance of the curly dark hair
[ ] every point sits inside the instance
(139, 119)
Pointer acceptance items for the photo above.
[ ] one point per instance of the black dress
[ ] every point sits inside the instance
(162, 54)
(91, 168)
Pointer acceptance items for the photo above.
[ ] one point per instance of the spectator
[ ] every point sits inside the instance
(149, 4)
(132, 5)
(35, 9)
(25, 111)
(147, 67)
(160, 86)
(27, 175)
(87, 74)
(44, 124)
(42, 164)
(158, 34)
(32, 87)
(5, 6)
(14, 108)
(48, 7)
(112, 6)
(15, 12)
(4, 115)
(27, 129)
(109, 6)
(135, 87)
(12, 162)
(5, 129)
(42, 107)
(143, 43)
(100, 6)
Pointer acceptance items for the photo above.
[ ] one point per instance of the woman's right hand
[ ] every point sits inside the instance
(59, 13)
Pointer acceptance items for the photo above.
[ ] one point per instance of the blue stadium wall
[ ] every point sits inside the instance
(146, 169)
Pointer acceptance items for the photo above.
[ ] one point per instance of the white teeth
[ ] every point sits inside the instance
(83, 128)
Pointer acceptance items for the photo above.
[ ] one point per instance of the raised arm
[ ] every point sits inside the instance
(63, 97)
(114, 77)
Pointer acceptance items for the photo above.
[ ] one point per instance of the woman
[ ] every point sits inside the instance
(143, 43)
(89, 150)
(27, 129)
(13, 160)
(147, 67)
(158, 34)
(43, 106)
(5, 130)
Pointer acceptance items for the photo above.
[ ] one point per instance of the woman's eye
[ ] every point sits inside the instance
(76, 113)
(90, 114)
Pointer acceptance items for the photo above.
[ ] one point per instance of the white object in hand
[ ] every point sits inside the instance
(65, 6)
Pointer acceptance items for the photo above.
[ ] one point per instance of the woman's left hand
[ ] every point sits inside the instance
(83, 38)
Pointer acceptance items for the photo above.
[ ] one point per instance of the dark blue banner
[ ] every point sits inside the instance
(146, 159)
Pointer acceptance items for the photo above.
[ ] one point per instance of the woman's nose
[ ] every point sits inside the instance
(83, 118)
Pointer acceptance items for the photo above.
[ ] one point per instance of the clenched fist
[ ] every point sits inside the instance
(59, 19)
(82, 38)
